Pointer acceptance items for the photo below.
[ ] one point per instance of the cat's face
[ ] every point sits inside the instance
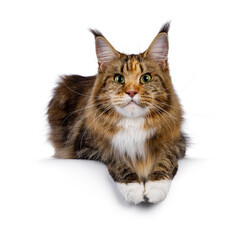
(133, 85)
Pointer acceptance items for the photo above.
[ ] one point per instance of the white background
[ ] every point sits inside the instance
(46, 198)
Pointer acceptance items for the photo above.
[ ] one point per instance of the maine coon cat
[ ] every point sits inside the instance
(128, 117)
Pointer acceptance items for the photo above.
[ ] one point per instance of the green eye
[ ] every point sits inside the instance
(119, 79)
(145, 78)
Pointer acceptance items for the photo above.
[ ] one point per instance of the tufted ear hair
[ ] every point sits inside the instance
(158, 49)
(106, 53)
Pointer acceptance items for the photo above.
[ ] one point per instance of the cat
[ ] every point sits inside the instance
(128, 117)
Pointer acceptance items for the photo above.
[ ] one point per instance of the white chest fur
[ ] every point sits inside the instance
(131, 138)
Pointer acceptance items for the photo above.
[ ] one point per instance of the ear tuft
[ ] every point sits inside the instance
(96, 33)
(165, 28)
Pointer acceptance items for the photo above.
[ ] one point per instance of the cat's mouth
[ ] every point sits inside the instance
(132, 102)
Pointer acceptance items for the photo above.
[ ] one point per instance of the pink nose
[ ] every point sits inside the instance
(131, 93)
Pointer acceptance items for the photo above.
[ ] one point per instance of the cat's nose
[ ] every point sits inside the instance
(131, 93)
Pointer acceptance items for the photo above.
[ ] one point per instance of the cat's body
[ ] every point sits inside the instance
(127, 116)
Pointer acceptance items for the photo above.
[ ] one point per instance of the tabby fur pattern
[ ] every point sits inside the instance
(133, 127)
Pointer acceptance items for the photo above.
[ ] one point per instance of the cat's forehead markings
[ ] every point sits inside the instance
(132, 64)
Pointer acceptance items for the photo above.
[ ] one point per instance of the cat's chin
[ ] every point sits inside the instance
(132, 110)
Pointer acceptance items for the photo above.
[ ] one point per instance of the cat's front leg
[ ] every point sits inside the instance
(159, 181)
(129, 184)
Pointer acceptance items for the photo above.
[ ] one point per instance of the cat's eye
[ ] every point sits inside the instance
(145, 78)
(118, 78)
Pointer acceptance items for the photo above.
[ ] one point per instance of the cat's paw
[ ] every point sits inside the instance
(156, 191)
(132, 192)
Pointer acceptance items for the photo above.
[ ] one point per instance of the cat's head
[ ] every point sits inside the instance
(133, 85)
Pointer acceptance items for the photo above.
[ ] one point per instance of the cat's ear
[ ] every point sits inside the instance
(158, 49)
(106, 53)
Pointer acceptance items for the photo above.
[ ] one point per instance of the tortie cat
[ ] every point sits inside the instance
(128, 117)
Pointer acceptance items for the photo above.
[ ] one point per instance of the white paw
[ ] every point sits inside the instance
(156, 191)
(132, 192)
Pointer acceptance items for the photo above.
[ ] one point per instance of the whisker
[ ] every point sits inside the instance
(78, 122)
(170, 115)
(80, 94)
(78, 110)
(164, 120)
(186, 111)
(93, 122)
(113, 110)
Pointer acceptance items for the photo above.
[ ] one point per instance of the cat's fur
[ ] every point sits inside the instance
(140, 142)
